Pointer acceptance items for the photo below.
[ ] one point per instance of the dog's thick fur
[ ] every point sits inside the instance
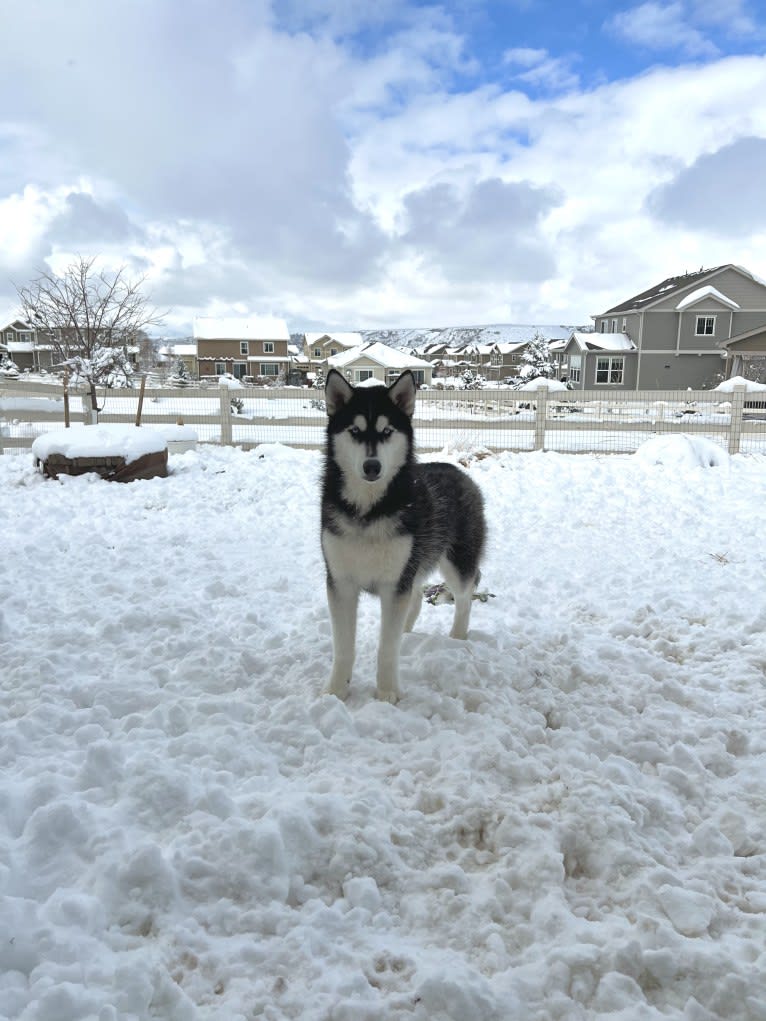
(388, 522)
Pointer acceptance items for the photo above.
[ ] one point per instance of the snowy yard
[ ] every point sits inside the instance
(563, 819)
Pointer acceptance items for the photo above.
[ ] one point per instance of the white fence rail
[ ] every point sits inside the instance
(496, 419)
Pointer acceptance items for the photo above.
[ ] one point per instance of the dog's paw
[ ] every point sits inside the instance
(387, 695)
(339, 689)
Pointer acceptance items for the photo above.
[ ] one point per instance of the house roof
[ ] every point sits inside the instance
(177, 350)
(344, 339)
(12, 322)
(602, 341)
(387, 357)
(661, 290)
(740, 337)
(244, 328)
(705, 292)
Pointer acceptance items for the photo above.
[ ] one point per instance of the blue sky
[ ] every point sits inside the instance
(396, 164)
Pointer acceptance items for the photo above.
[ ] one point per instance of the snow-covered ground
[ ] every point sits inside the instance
(563, 819)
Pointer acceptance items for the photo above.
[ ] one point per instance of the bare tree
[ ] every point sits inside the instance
(91, 318)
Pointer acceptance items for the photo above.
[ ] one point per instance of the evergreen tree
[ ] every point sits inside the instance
(471, 380)
(537, 360)
(181, 375)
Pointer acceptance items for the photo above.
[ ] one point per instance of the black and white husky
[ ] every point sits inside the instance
(388, 521)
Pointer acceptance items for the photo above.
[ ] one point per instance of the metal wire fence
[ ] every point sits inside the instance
(492, 419)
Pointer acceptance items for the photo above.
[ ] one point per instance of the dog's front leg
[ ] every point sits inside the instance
(343, 600)
(393, 611)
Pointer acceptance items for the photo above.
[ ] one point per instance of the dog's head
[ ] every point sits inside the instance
(370, 428)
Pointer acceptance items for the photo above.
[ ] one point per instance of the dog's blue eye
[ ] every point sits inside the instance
(385, 433)
(355, 430)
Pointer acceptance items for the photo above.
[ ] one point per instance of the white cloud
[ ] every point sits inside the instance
(241, 164)
(721, 192)
(660, 26)
(541, 69)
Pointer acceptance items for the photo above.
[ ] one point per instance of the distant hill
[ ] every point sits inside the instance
(465, 336)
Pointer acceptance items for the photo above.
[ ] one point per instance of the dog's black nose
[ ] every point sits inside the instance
(371, 469)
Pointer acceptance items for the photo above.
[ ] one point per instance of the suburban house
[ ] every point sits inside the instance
(318, 347)
(591, 360)
(24, 345)
(447, 361)
(254, 349)
(686, 331)
(169, 355)
(381, 362)
(504, 358)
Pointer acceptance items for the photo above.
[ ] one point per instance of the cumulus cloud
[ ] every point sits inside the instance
(721, 192)
(540, 69)
(275, 156)
(84, 221)
(492, 232)
(659, 26)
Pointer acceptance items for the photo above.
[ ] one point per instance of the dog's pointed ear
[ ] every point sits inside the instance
(337, 391)
(403, 391)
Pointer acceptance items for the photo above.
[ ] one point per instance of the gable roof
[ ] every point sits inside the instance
(602, 341)
(245, 328)
(16, 323)
(382, 354)
(665, 288)
(343, 339)
(705, 292)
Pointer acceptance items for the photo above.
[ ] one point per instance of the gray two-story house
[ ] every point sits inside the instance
(683, 332)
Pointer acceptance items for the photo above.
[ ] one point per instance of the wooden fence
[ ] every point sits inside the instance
(496, 419)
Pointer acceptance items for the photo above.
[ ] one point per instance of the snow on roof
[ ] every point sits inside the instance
(246, 328)
(344, 339)
(506, 349)
(127, 441)
(388, 357)
(13, 321)
(178, 350)
(603, 341)
(661, 290)
(26, 346)
(460, 337)
(705, 292)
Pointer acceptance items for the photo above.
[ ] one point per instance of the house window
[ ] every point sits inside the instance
(220, 368)
(244, 347)
(603, 325)
(268, 347)
(575, 368)
(362, 374)
(333, 351)
(419, 376)
(609, 370)
(624, 324)
(269, 369)
(614, 326)
(240, 369)
(705, 326)
(317, 352)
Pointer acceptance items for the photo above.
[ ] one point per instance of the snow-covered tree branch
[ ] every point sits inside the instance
(91, 317)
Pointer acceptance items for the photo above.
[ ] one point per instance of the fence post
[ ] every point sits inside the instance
(87, 409)
(225, 396)
(541, 416)
(737, 411)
